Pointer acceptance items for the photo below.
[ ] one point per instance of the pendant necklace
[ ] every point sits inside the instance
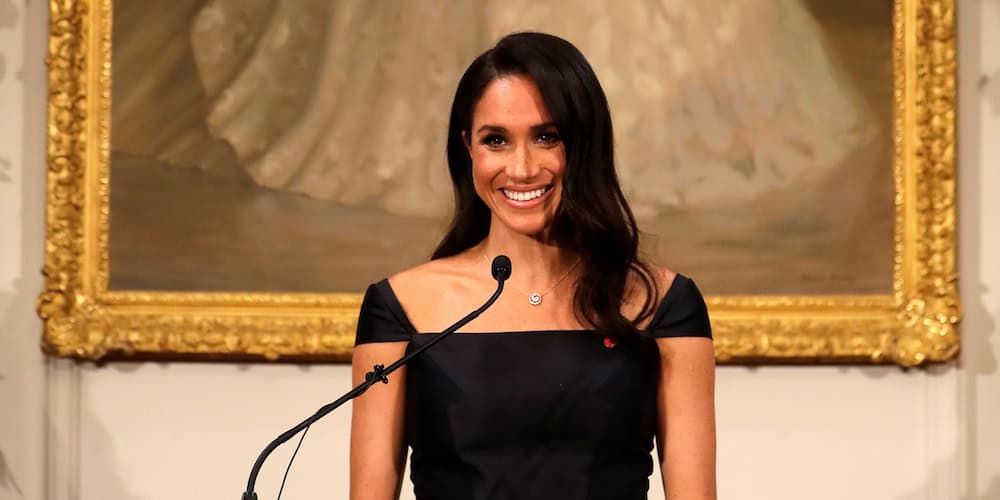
(535, 298)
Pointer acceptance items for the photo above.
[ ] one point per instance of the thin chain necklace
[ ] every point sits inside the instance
(535, 298)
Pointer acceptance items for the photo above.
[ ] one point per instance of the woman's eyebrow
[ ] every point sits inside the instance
(491, 128)
(543, 126)
(499, 129)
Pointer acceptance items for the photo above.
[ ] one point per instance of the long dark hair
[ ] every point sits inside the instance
(593, 217)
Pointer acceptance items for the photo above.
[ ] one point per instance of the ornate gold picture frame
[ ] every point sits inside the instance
(83, 318)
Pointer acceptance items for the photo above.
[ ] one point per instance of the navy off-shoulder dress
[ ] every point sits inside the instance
(532, 414)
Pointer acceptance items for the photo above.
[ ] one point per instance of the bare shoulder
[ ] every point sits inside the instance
(415, 281)
(416, 275)
(432, 290)
(662, 278)
(638, 291)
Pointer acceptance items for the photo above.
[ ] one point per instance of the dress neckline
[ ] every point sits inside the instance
(397, 310)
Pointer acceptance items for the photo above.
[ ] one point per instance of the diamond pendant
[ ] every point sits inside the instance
(534, 299)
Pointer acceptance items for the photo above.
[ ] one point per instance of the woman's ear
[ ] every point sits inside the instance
(467, 140)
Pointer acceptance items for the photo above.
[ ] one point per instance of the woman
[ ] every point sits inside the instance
(558, 390)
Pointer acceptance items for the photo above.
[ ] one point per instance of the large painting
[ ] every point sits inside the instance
(246, 167)
(254, 141)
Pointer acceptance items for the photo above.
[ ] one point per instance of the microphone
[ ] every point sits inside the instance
(501, 272)
(501, 268)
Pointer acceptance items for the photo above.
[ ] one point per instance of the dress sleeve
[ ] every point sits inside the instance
(682, 313)
(378, 320)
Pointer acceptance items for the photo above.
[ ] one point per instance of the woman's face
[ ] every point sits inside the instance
(518, 158)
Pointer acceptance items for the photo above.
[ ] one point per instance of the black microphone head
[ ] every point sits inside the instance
(501, 268)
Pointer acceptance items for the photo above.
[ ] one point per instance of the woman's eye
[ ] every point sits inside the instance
(548, 138)
(493, 140)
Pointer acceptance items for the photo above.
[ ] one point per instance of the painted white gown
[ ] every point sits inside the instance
(348, 100)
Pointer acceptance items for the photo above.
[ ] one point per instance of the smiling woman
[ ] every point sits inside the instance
(531, 157)
(534, 117)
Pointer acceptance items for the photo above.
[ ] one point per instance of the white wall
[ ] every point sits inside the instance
(22, 191)
(158, 431)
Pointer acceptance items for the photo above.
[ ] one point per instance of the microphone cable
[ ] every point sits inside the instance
(290, 460)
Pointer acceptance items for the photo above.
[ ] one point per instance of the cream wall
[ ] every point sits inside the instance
(22, 190)
(158, 431)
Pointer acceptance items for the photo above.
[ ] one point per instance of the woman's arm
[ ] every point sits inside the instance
(686, 414)
(378, 454)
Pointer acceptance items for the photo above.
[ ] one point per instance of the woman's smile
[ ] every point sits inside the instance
(525, 197)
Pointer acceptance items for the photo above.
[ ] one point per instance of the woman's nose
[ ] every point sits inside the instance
(521, 166)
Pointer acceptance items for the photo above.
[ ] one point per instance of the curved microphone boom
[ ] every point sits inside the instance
(501, 272)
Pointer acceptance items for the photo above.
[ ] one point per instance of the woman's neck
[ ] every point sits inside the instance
(535, 262)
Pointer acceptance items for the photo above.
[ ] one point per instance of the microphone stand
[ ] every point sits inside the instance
(378, 373)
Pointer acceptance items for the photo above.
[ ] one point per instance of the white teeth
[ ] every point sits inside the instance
(524, 196)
